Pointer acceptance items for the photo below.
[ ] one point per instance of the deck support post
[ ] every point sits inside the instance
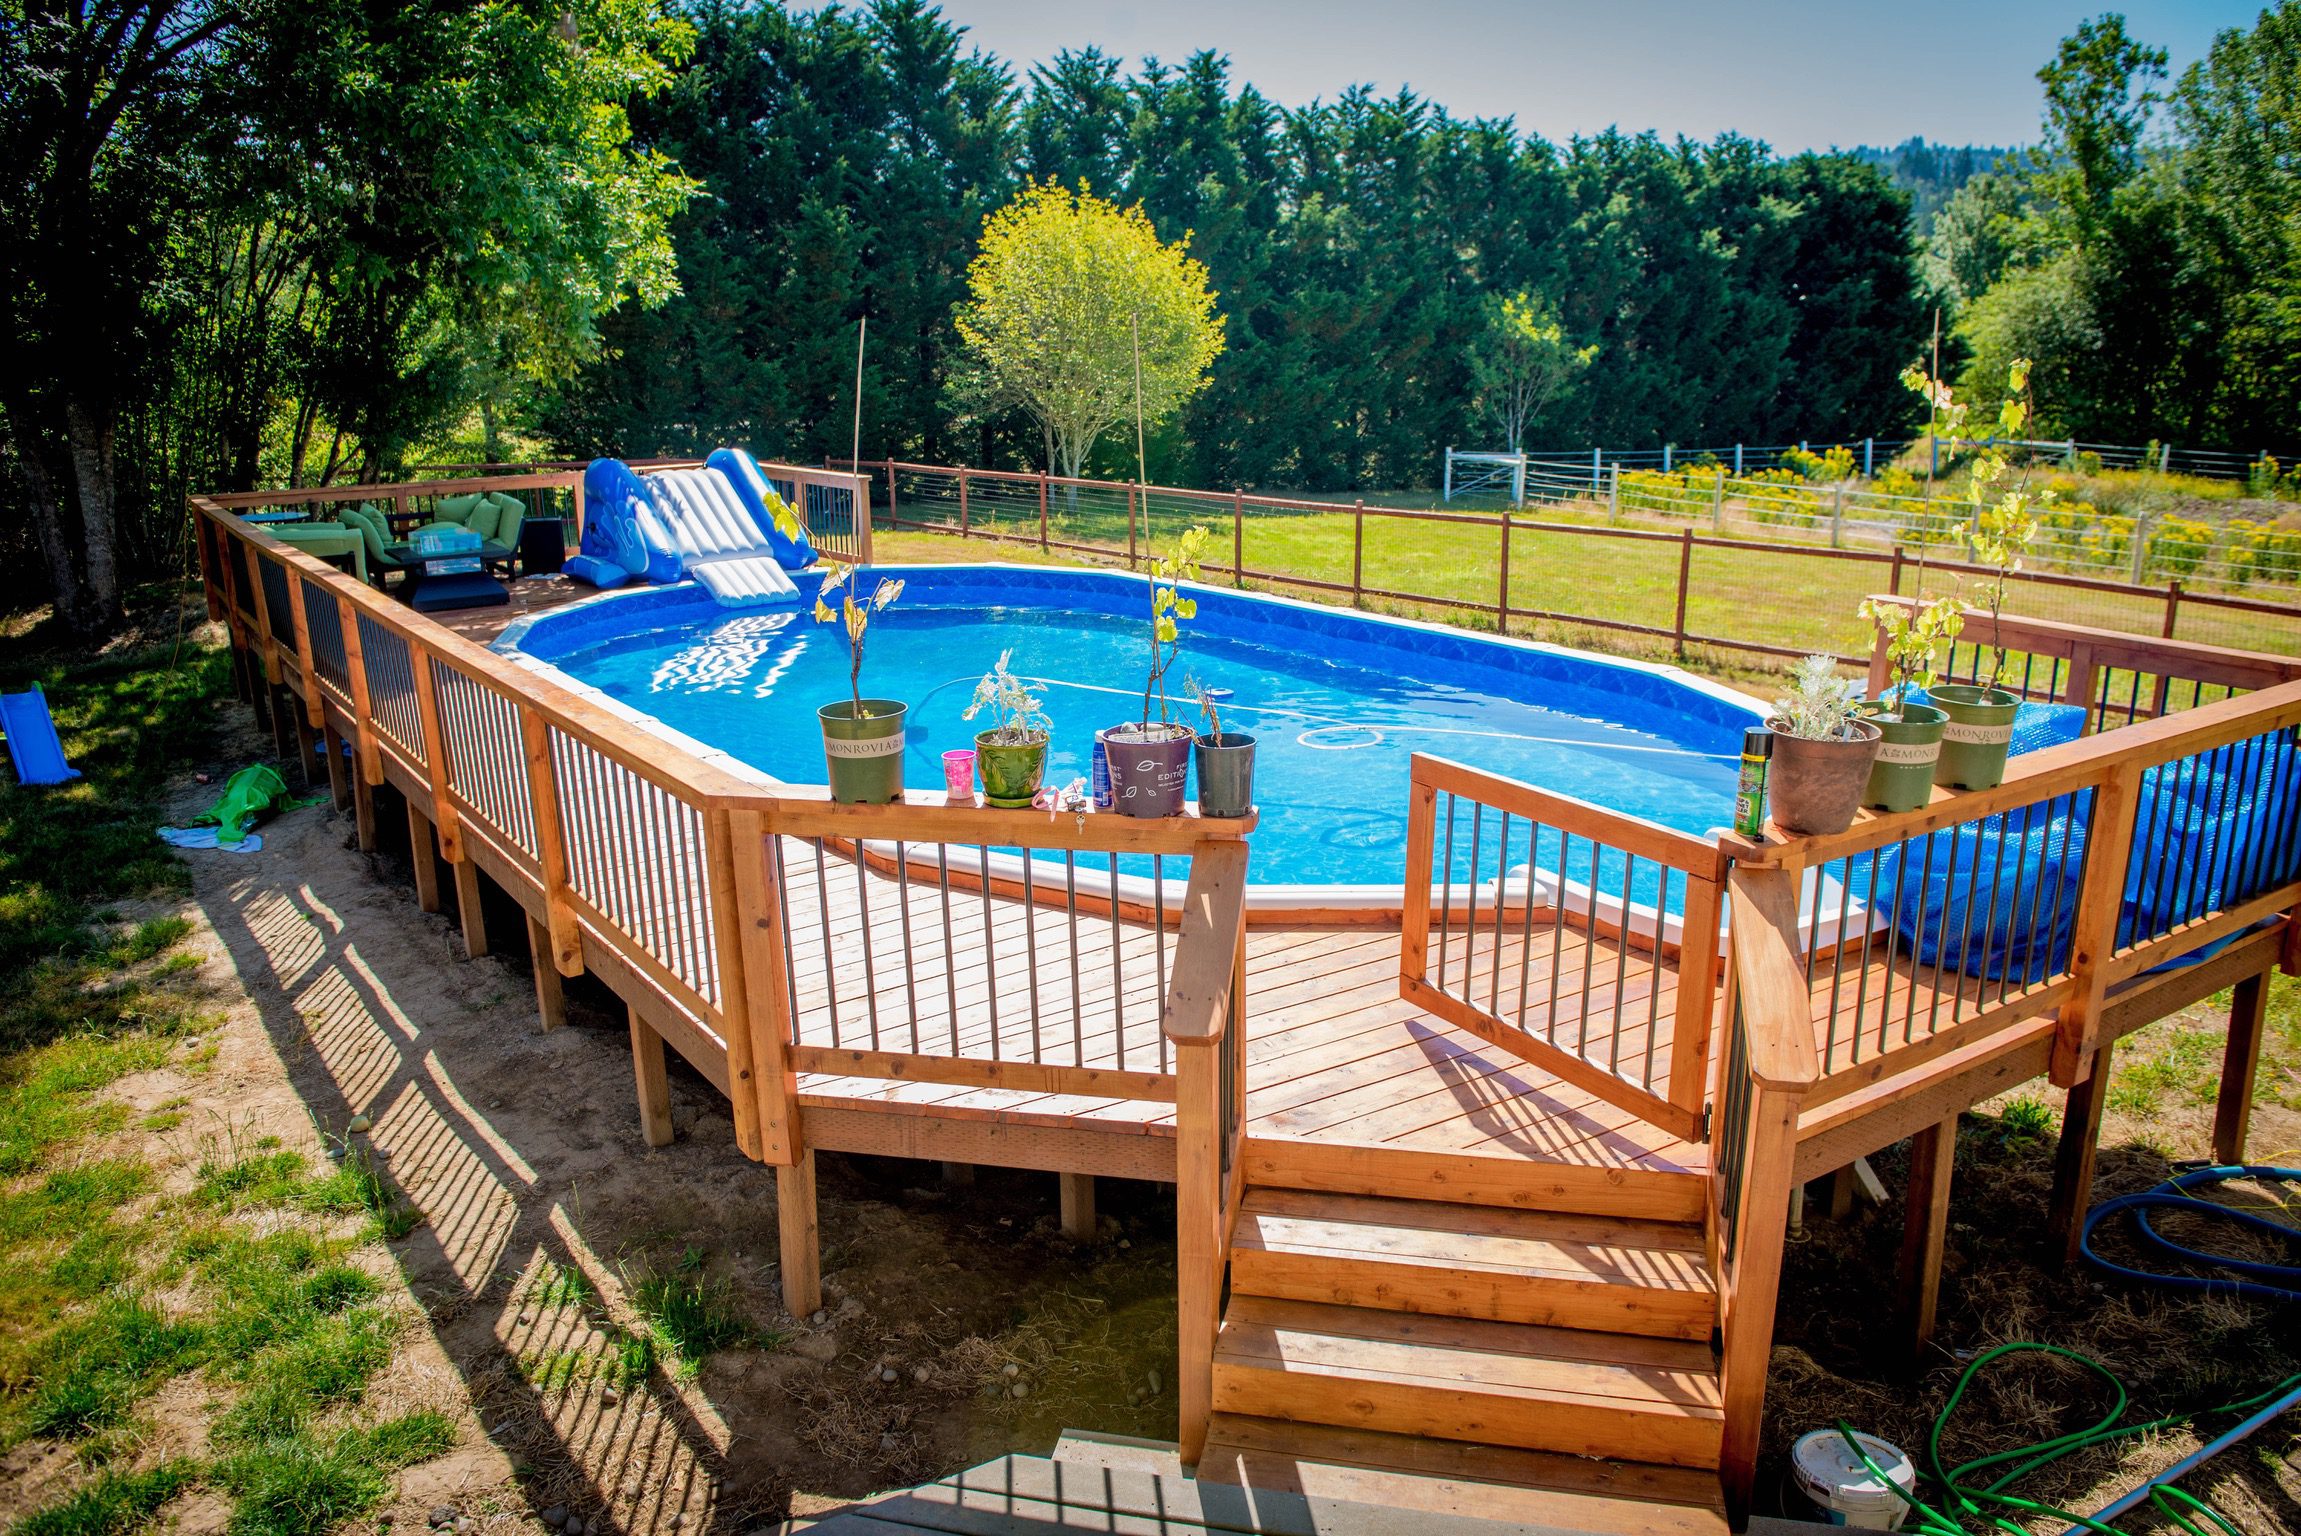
(958, 1175)
(2240, 1059)
(364, 811)
(1078, 1206)
(1925, 1227)
(802, 1258)
(654, 1083)
(422, 855)
(468, 909)
(2073, 1159)
(339, 782)
(1842, 1186)
(550, 994)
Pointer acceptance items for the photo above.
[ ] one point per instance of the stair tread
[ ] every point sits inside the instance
(1462, 1478)
(1632, 1371)
(1433, 1234)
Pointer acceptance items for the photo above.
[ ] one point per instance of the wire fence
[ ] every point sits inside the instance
(1739, 585)
(1873, 453)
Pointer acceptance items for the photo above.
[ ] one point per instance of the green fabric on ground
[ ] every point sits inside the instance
(249, 795)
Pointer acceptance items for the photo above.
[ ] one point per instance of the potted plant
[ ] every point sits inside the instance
(1822, 750)
(1150, 759)
(1902, 777)
(1980, 728)
(862, 738)
(1012, 754)
(1225, 759)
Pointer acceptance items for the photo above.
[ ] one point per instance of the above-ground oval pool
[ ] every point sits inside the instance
(1338, 700)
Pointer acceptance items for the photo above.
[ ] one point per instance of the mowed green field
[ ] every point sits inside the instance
(1777, 596)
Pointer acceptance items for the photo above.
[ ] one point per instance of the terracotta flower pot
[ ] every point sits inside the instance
(1150, 767)
(1012, 771)
(1902, 777)
(1816, 786)
(1978, 736)
(864, 757)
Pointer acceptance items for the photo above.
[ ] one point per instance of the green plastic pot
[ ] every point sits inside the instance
(864, 757)
(1901, 779)
(1977, 737)
(1012, 771)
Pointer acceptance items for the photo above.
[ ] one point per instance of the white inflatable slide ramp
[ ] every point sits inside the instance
(717, 542)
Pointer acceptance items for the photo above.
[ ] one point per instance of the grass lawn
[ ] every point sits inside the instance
(1767, 593)
(115, 1282)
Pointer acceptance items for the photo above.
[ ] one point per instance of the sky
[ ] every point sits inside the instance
(1799, 74)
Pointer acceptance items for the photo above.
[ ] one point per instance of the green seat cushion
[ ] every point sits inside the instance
(371, 526)
(511, 514)
(483, 518)
(458, 509)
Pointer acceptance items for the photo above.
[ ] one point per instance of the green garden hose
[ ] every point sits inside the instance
(1968, 1499)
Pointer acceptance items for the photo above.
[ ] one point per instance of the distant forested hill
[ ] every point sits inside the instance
(1930, 173)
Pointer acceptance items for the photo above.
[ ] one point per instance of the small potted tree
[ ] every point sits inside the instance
(1980, 728)
(1902, 777)
(1012, 754)
(1225, 759)
(862, 738)
(1150, 759)
(1822, 750)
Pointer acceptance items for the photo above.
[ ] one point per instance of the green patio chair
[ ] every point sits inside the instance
(327, 541)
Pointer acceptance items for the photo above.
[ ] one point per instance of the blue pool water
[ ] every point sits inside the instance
(1338, 700)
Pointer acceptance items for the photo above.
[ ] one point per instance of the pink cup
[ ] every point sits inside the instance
(959, 775)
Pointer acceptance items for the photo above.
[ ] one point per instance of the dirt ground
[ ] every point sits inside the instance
(522, 1152)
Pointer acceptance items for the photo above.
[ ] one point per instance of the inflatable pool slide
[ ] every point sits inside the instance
(714, 526)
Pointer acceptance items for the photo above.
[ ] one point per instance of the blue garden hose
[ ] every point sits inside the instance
(2245, 1279)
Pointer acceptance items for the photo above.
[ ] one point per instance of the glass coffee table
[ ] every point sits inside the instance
(432, 584)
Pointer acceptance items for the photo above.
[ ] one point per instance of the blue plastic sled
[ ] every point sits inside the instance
(32, 742)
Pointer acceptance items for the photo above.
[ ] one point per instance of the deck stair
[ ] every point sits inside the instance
(1550, 1366)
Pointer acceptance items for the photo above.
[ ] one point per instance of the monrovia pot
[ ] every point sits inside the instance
(1816, 786)
(1150, 765)
(1901, 778)
(865, 757)
(1980, 730)
(1012, 771)
(1225, 773)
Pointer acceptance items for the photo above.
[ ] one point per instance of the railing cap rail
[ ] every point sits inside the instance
(927, 816)
(1770, 985)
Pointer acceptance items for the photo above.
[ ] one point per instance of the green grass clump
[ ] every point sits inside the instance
(115, 1504)
(692, 1312)
(262, 1178)
(300, 1485)
(2187, 1068)
(98, 1366)
(357, 1184)
(562, 1285)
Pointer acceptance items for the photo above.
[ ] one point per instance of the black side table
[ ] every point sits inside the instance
(542, 545)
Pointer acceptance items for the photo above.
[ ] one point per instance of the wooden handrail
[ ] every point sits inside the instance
(1770, 983)
(927, 816)
(2190, 660)
(1648, 840)
(2038, 776)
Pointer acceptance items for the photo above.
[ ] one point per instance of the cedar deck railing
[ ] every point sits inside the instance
(765, 932)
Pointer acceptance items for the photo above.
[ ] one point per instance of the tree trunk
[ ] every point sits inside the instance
(39, 490)
(89, 433)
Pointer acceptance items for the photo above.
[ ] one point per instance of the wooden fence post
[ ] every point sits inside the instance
(1718, 502)
(1614, 494)
(1198, 1252)
(1685, 581)
(2172, 608)
(1237, 537)
(1894, 582)
(1134, 488)
(1502, 596)
(893, 515)
(2093, 933)
(1043, 511)
(962, 503)
(1358, 553)
(753, 943)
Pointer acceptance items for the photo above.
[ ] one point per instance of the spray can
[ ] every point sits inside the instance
(1750, 793)
(1102, 775)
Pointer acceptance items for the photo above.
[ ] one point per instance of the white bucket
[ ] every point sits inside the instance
(1842, 1490)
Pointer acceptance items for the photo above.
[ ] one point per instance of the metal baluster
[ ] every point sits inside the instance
(1445, 890)
(1965, 931)
(1158, 947)
(1989, 919)
(990, 948)
(1654, 973)
(1862, 974)
(1470, 917)
(910, 972)
(823, 911)
(870, 976)
(1557, 940)
(1941, 933)
(1917, 949)
(782, 878)
(2061, 882)
(2022, 887)
(1501, 902)
(1621, 964)
(1526, 938)
(1118, 973)
(1071, 904)
(1838, 951)
(1031, 951)
(1589, 952)
(950, 951)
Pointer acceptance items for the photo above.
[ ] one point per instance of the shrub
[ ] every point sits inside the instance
(2178, 546)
